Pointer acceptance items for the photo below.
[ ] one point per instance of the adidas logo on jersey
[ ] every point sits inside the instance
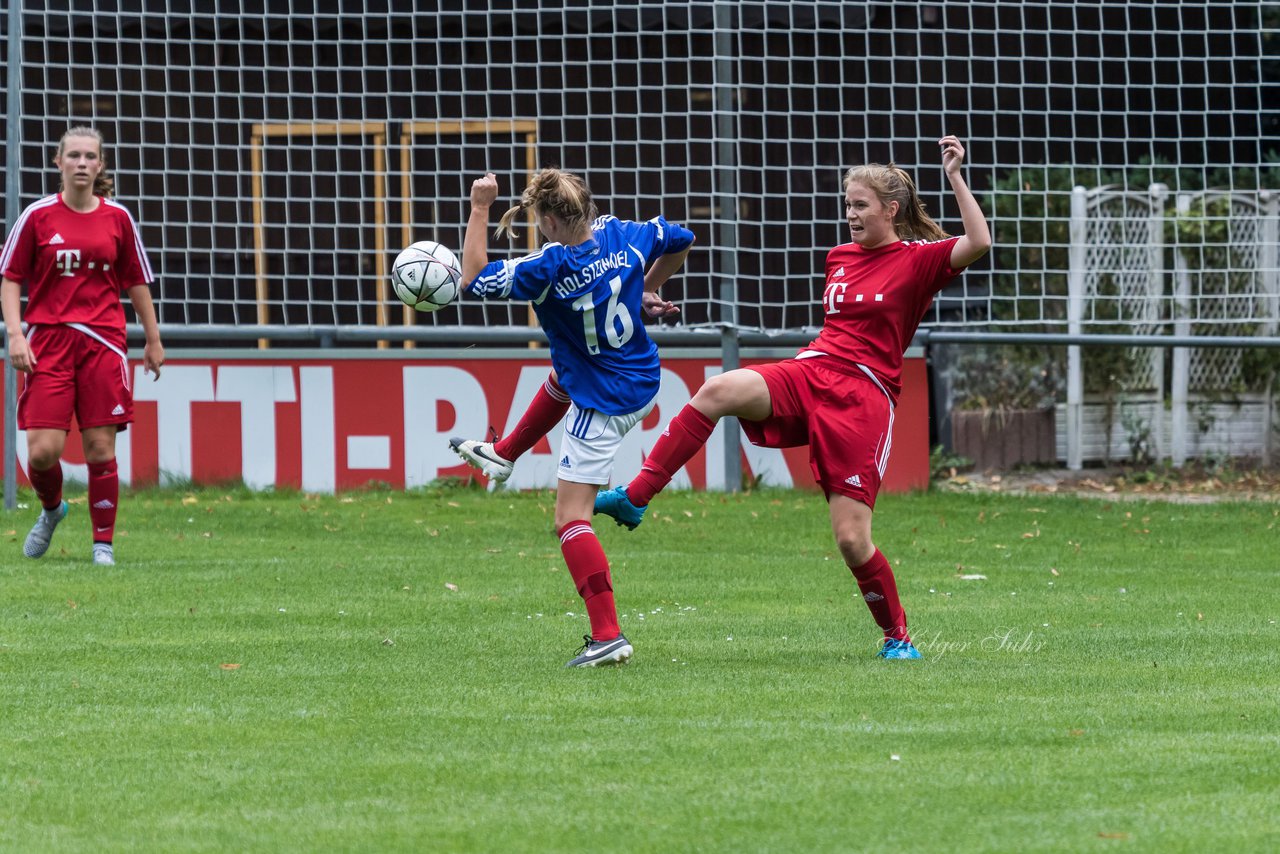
(853, 480)
(119, 410)
(838, 273)
(56, 239)
(565, 464)
(104, 504)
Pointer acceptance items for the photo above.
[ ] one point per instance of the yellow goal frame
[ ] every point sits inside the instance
(378, 132)
(262, 132)
(483, 127)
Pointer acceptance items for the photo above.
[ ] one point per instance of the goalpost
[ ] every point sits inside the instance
(377, 134)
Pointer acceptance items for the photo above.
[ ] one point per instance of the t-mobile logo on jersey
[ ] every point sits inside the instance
(834, 296)
(68, 261)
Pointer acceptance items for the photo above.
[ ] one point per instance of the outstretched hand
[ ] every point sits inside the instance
(656, 307)
(952, 154)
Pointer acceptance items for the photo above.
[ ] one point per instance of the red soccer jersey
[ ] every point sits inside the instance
(875, 299)
(76, 265)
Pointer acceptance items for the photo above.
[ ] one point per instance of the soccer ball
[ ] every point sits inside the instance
(426, 276)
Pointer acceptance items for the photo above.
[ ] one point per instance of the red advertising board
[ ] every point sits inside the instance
(324, 423)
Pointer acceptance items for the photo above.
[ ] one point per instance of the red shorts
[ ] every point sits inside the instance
(844, 417)
(77, 373)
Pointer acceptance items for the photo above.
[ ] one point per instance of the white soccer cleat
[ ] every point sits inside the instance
(103, 555)
(482, 456)
(37, 542)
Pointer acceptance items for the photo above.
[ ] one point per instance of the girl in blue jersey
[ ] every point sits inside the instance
(588, 286)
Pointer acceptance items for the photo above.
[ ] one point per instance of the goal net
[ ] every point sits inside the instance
(279, 154)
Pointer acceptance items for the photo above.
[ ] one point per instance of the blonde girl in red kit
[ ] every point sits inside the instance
(76, 252)
(838, 394)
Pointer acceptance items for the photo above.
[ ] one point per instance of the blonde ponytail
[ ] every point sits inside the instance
(553, 191)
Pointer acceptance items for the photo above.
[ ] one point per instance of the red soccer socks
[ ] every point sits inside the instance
(880, 592)
(104, 495)
(47, 484)
(590, 570)
(686, 433)
(545, 411)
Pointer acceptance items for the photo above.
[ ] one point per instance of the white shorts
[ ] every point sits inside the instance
(591, 442)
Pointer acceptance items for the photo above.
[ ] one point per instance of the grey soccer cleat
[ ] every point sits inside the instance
(482, 456)
(37, 542)
(103, 555)
(595, 653)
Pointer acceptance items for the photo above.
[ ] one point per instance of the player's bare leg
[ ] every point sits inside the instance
(851, 525)
(589, 568)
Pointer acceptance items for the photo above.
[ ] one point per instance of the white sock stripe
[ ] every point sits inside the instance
(555, 392)
(574, 531)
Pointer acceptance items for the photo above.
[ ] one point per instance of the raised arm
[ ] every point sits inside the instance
(475, 244)
(976, 240)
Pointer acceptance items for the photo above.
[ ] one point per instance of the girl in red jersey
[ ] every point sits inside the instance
(75, 252)
(837, 395)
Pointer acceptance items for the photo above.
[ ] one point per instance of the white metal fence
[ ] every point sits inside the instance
(1225, 281)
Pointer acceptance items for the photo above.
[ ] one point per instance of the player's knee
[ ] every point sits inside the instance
(855, 547)
(43, 456)
(99, 451)
(564, 516)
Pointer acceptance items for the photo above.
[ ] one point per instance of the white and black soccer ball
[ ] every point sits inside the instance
(426, 276)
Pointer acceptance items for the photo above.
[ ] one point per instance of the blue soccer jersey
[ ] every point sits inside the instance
(588, 300)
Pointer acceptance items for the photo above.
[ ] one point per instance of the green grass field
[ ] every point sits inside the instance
(384, 672)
